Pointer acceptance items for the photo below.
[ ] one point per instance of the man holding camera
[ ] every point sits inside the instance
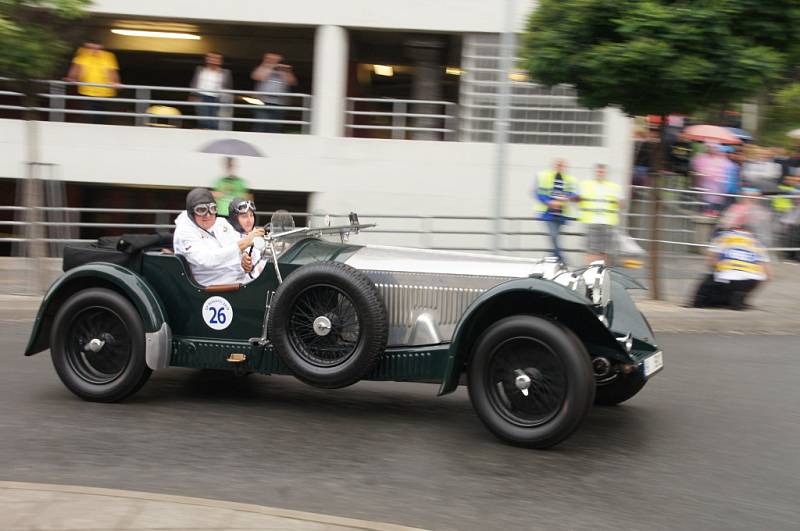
(276, 78)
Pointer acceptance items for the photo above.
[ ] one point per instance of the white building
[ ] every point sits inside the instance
(335, 46)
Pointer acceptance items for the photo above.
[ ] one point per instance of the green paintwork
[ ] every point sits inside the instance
(406, 364)
(91, 275)
(166, 292)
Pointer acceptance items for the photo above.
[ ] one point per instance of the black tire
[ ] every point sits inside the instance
(622, 388)
(119, 368)
(559, 371)
(357, 324)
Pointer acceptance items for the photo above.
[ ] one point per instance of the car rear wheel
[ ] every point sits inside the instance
(623, 388)
(530, 381)
(328, 324)
(97, 345)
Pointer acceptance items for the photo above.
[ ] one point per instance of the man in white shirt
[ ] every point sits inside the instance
(209, 243)
(208, 81)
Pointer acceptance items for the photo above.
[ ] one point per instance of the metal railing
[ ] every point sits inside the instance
(401, 118)
(147, 105)
(683, 227)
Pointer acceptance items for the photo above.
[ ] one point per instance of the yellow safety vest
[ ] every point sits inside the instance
(544, 186)
(783, 205)
(600, 202)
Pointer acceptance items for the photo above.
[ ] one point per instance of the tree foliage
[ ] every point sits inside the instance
(31, 35)
(662, 56)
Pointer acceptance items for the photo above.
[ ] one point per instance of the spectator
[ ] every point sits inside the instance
(787, 210)
(749, 210)
(229, 186)
(555, 190)
(642, 155)
(93, 64)
(739, 264)
(207, 82)
(733, 176)
(272, 76)
(712, 170)
(210, 245)
(600, 203)
(760, 170)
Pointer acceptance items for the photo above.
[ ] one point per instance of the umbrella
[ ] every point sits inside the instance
(711, 133)
(741, 134)
(233, 148)
(794, 133)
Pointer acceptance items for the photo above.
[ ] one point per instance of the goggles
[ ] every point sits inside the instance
(202, 210)
(244, 206)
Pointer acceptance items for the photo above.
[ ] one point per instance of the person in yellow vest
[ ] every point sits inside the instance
(93, 64)
(600, 204)
(555, 192)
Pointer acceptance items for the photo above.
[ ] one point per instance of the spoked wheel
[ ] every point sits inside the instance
(328, 324)
(530, 381)
(324, 327)
(527, 382)
(97, 346)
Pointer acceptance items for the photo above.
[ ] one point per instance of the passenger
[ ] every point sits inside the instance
(242, 217)
(212, 247)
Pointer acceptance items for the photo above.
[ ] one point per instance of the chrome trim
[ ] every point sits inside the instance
(158, 347)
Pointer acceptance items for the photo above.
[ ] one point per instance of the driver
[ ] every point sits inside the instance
(242, 217)
(211, 246)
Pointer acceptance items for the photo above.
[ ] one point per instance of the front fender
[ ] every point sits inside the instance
(523, 296)
(102, 275)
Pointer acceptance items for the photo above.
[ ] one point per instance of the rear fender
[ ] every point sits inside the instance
(531, 296)
(116, 278)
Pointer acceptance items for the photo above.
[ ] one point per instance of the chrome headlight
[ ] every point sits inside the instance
(598, 283)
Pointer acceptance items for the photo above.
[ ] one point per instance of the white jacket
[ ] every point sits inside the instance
(259, 261)
(213, 255)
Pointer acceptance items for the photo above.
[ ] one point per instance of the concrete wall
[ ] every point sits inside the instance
(419, 15)
(389, 176)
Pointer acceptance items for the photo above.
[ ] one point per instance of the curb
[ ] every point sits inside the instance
(207, 503)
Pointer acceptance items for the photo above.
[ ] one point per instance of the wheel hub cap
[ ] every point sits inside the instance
(322, 326)
(94, 345)
(522, 381)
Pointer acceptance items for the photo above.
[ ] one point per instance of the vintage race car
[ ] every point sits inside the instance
(536, 344)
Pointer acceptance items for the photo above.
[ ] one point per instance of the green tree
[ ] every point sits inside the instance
(661, 56)
(782, 115)
(32, 42)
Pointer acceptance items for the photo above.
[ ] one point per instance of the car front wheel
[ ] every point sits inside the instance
(97, 344)
(530, 381)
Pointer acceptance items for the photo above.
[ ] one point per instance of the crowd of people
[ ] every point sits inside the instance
(272, 77)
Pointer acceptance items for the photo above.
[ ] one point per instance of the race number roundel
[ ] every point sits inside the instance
(217, 313)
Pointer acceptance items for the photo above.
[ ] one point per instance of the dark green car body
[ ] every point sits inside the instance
(170, 304)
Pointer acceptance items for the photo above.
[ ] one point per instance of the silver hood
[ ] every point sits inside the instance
(411, 260)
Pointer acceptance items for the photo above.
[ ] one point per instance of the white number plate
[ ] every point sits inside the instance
(653, 364)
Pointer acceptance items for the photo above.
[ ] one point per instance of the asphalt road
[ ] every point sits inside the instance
(711, 443)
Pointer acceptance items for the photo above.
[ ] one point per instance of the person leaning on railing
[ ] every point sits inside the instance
(272, 75)
(93, 64)
(207, 83)
(556, 191)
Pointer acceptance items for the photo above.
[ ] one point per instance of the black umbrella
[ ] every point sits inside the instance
(233, 148)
